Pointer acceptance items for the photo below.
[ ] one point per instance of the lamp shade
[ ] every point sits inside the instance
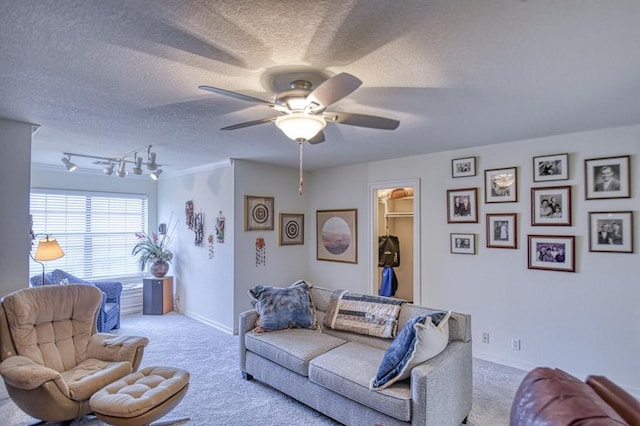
(48, 249)
(300, 126)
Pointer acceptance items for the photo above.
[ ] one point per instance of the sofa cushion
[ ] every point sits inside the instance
(363, 314)
(291, 348)
(422, 338)
(279, 308)
(348, 369)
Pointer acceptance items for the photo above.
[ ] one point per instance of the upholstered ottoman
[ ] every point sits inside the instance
(141, 397)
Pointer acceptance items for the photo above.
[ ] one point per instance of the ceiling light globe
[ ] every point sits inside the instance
(300, 126)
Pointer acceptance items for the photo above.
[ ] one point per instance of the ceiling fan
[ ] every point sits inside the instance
(302, 110)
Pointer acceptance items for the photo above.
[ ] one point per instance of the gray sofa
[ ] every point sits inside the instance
(330, 371)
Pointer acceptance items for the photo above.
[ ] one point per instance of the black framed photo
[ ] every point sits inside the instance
(463, 167)
(552, 252)
(607, 177)
(611, 232)
(551, 206)
(551, 167)
(502, 230)
(336, 235)
(258, 213)
(291, 229)
(462, 205)
(500, 185)
(463, 243)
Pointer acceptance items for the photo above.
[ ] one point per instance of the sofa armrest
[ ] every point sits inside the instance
(23, 373)
(113, 289)
(107, 347)
(246, 322)
(626, 405)
(442, 387)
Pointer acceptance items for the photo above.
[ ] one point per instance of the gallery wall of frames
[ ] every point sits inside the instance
(610, 231)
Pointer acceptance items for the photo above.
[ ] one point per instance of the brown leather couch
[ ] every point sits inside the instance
(552, 397)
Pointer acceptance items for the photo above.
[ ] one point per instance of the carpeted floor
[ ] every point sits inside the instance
(219, 396)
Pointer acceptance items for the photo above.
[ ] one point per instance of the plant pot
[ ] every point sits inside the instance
(159, 268)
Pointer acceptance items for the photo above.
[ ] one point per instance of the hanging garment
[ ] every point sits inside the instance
(388, 251)
(389, 282)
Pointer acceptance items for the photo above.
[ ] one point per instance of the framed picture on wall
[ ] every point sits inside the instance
(611, 232)
(607, 178)
(552, 252)
(551, 167)
(463, 243)
(258, 213)
(463, 167)
(337, 235)
(551, 206)
(502, 230)
(291, 229)
(500, 185)
(462, 205)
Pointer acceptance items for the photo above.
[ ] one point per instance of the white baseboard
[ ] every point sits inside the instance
(208, 322)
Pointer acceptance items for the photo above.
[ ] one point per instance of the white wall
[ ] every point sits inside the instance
(584, 322)
(284, 264)
(15, 159)
(203, 286)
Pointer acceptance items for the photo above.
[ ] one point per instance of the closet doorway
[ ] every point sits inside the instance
(395, 210)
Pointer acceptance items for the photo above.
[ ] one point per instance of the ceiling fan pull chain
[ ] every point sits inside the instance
(301, 180)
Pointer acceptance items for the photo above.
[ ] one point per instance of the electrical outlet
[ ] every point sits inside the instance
(485, 337)
(515, 344)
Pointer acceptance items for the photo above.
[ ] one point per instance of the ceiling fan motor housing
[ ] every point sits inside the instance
(294, 99)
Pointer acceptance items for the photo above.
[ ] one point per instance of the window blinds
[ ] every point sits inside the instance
(95, 230)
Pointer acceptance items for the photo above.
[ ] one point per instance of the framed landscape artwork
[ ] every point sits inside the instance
(291, 229)
(502, 230)
(607, 178)
(551, 206)
(462, 205)
(611, 232)
(463, 167)
(336, 235)
(552, 252)
(258, 213)
(463, 243)
(500, 185)
(551, 167)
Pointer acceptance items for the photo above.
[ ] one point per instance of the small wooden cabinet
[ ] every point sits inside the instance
(157, 296)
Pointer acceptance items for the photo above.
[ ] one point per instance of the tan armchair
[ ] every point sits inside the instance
(53, 359)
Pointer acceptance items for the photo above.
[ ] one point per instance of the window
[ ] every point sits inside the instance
(95, 230)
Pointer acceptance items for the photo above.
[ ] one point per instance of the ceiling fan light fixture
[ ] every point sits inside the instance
(300, 126)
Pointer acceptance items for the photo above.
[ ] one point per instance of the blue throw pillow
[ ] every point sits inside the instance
(421, 338)
(279, 308)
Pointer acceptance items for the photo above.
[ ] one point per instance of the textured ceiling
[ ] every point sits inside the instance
(105, 77)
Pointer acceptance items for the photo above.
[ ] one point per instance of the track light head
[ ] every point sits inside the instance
(121, 169)
(108, 169)
(137, 169)
(156, 174)
(68, 164)
(151, 162)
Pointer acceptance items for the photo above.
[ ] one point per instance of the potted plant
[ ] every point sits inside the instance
(153, 250)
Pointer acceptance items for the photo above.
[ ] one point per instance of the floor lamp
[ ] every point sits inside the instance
(48, 249)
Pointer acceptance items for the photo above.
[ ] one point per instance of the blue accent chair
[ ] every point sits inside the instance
(109, 314)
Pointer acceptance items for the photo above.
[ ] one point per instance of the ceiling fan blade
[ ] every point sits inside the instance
(332, 90)
(317, 138)
(235, 95)
(361, 120)
(249, 123)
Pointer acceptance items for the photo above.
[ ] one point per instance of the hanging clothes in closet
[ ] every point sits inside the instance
(388, 258)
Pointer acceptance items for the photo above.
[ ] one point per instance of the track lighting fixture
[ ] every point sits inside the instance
(156, 174)
(122, 172)
(108, 169)
(122, 161)
(68, 164)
